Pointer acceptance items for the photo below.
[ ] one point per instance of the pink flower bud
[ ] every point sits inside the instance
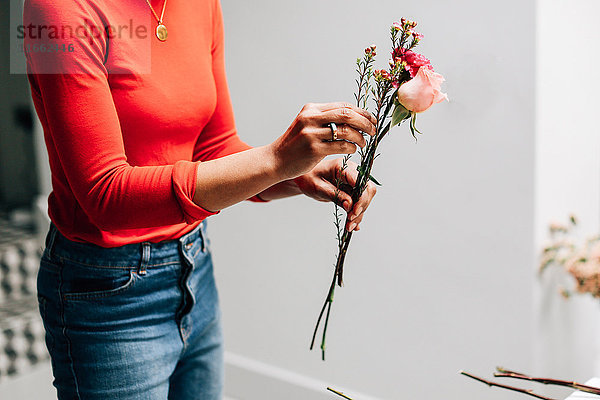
(421, 92)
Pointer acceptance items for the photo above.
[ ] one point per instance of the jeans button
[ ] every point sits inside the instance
(189, 246)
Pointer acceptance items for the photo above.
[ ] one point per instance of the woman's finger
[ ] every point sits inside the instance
(328, 192)
(343, 132)
(363, 203)
(333, 106)
(346, 116)
(336, 147)
(349, 174)
(353, 225)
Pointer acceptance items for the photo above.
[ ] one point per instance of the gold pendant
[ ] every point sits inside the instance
(161, 32)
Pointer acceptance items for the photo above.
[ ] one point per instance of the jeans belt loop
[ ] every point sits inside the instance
(203, 235)
(145, 258)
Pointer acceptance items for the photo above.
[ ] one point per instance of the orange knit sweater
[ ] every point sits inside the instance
(126, 117)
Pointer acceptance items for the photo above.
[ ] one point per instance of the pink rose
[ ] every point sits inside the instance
(422, 91)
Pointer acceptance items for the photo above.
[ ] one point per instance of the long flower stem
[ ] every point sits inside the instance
(326, 307)
(384, 99)
(362, 96)
(339, 266)
(344, 243)
(358, 190)
(339, 393)
(329, 302)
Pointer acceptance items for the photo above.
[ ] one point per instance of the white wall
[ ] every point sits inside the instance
(440, 276)
(567, 174)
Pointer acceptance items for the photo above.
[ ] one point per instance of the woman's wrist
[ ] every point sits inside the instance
(287, 188)
(274, 162)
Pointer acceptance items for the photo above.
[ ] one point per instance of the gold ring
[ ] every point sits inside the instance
(333, 128)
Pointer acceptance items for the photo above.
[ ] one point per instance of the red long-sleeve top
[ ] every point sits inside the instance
(127, 117)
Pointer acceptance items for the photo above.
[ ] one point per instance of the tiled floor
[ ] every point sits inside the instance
(21, 330)
(34, 385)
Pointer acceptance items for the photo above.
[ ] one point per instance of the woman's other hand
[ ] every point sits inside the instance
(308, 139)
(319, 184)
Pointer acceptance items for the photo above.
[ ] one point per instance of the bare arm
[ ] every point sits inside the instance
(228, 180)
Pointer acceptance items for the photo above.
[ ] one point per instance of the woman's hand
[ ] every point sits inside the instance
(308, 139)
(319, 184)
(269, 169)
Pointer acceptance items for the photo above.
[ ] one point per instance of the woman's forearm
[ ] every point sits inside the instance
(225, 181)
(281, 190)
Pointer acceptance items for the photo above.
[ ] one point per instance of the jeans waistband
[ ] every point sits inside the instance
(130, 255)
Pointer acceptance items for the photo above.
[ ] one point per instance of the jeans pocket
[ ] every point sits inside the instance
(87, 282)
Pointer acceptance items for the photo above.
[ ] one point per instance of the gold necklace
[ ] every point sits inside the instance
(161, 29)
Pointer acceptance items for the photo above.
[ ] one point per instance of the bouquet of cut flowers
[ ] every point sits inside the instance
(580, 259)
(398, 93)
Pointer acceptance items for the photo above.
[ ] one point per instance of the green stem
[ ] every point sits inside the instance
(329, 302)
(363, 175)
(326, 305)
(384, 103)
(339, 393)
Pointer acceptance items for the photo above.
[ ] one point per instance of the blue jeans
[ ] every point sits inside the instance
(139, 321)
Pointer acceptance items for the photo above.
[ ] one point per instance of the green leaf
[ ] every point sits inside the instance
(372, 179)
(413, 123)
(573, 219)
(413, 128)
(400, 114)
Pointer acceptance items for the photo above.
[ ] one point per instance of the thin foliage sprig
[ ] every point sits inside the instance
(505, 373)
(528, 392)
(381, 88)
(365, 71)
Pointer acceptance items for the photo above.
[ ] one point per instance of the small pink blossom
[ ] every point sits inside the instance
(417, 36)
(382, 75)
(594, 251)
(558, 227)
(408, 23)
(586, 273)
(421, 92)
